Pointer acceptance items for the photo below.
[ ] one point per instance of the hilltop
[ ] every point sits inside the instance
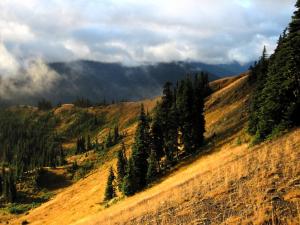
(228, 183)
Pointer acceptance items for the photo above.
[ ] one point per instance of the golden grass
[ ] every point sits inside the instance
(234, 184)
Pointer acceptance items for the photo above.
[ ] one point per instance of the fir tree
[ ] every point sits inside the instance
(109, 140)
(110, 190)
(294, 26)
(89, 144)
(80, 145)
(9, 186)
(258, 75)
(185, 103)
(201, 90)
(171, 138)
(152, 168)
(167, 116)
(121, 165)
(1, 184)
(141, 149)
(129, 182)
(276, 100)
(116, 134)
(157, 141)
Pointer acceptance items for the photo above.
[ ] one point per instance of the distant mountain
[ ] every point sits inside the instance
(113, 81)
(222, 70)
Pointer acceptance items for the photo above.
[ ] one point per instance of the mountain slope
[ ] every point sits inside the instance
(229, 183)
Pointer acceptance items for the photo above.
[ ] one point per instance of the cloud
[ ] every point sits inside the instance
(134, 31)
(8, 64)
(20, 79)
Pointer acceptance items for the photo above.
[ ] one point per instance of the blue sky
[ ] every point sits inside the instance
(135, 31)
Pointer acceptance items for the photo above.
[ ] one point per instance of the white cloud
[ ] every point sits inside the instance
(15, 32)
(79, 49)
(8, 63)
(134, 31)
(23, 78)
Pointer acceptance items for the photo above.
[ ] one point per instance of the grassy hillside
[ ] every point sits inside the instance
(70, 122)
(229, 183)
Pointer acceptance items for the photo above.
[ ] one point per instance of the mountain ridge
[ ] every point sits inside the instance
(99, 81)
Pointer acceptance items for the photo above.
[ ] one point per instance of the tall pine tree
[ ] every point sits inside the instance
(110, 192)
(156, 134)
(152, 168)
(141, 148)
(129, 186)
(121, 165)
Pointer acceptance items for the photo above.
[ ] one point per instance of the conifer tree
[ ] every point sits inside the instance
(171, 140)
(157, 141)
(166, 114)
(185, 103)
(294, 26)
(121, 165)
(89, 145)
(109, 140)
(141, 148)
(1, 184)
(9, 187)
(276, 101)
(110, 189)
(201, 90)
(258, 75)
(80, 145)
(116, 134)
(152, 168)
(129, 182)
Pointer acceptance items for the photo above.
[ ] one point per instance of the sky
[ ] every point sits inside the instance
(134, 32)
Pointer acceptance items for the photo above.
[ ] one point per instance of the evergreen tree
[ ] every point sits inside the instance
(121, 165)
(116, 134)
(157, 141)
(201, 90)
(276, 100)
(171, 135)
(89, 144)
(166, 115)
(9, 186)
(185, 104)
(44, 105)
(294, 26)
(152, 168)
(1, 184)
(141, 149)
(129, 182)
(110, 190)
(258, 75)
(294, 36)
(80, 145)
(109, 140)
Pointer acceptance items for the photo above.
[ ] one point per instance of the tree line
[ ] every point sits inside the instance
(175, 129)
(275, 103)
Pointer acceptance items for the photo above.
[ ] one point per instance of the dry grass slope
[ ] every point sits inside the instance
(230, 183)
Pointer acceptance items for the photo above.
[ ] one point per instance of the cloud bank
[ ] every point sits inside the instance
(22, 79)
(134, 32)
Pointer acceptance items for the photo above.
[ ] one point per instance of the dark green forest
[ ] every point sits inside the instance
(275, 104)
(27, 144)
